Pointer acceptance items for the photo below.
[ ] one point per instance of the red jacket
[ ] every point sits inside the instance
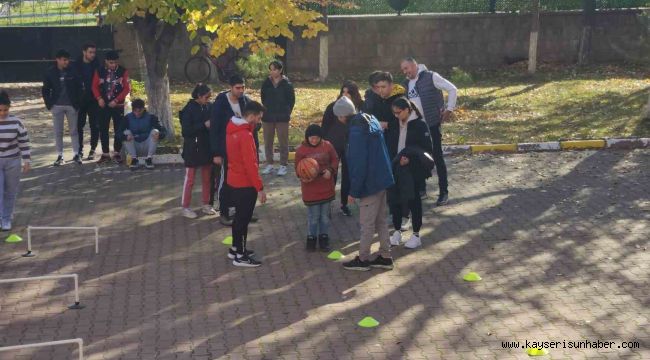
(319, 190)
(111, 85)
(241, 155)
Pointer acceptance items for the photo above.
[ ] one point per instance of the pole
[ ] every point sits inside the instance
(30, 253)
(534, 36)
(77, 341)
(75, 306)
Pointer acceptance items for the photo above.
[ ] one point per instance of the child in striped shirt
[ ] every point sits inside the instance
(14, 145)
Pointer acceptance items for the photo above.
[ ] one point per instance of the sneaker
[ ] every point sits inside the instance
(225, 220)
(357, 264)
(267, 169)
(443, 199)
(59, 161)
(311, 244)
(406, 222)
(413, 242)
(382, 263)
(6, 225)
(117, 158)
(91, 155)
(232, 254)
(396, 238)
(254, 219)
(134, 164)
(189, 213)
(324, 243)
(282, 170)
(208, 210)
(245, 261)
(104, 158)
(77, 159)
(345, 210)
(148, 163)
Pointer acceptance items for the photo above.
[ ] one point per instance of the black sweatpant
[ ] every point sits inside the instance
(105, 116)
(399, 210)
(345, 179)
(220, 190)
(244, 200)
(89, 109)
(438, 159)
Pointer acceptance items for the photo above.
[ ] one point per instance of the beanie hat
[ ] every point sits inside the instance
(344, 107)
(313, 130)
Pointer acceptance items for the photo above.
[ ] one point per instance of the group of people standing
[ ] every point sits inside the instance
(87, 91)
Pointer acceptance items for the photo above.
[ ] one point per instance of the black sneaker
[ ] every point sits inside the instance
(232, 254)
(134, 164)
(346, 210)
(117, 158)
(91, 155)
(59, 161)
(225, 220)
(382, 263)
(104, 159)
(148, 163)
(357, 264)
(245, 261)
(311, 244)
(324, 243)
(77, 159)
(443, 199)
(254, 219)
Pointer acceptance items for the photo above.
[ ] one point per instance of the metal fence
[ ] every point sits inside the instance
(43, 13)
(462, 6)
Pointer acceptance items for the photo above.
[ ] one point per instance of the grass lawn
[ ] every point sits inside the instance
(508, 106)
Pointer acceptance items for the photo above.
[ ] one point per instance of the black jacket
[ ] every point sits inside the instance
(196, 137)
(382, 109)
(86, 81)
(221, 113)
(278, 100)
(52, 87)
(334, 131)
(418, 142)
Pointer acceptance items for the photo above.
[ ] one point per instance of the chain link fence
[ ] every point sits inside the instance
(362, 7)
(42, 13)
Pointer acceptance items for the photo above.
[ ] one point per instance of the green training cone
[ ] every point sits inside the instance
(472, 276)
(335, 255)
(536, 352)
(13, 238)
(227, 240)
(368, 322)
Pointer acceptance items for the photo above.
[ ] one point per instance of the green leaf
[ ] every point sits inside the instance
(195, 49)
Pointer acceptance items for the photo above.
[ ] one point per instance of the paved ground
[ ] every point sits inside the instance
(561, 241)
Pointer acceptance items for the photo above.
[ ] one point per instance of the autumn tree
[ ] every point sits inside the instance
(236, 23)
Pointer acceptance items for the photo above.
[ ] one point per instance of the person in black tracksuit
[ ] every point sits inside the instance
(411, 143)
(85, 66)
(336, 133)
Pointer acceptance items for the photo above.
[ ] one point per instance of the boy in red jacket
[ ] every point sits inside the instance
(243, 179)
(318, 193)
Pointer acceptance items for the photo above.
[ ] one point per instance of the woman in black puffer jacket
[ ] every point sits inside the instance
(195, 124)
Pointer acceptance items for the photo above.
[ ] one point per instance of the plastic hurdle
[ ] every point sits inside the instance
(77, 341)
(29, 252)
(75, 306)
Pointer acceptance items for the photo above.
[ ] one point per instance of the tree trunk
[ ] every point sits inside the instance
(646, 111)
(156, 39)
(534, 36)
(588, 10)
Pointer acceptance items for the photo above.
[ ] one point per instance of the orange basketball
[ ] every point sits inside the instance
(307, 169)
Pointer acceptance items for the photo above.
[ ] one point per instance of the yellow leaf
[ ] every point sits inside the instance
(195, 49)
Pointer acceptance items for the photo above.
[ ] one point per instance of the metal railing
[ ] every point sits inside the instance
(43, 13)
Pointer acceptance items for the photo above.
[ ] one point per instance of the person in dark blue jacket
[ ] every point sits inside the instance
(226, 105)
(370, 176)
(141, 131)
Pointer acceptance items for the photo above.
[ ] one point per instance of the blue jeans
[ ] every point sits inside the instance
(9, 181)
(318, 218)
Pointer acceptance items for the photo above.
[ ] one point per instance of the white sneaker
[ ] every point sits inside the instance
(189, 213)
(396, 238)
(413, 242)
(406, 223)
(282, 170)
(209, 210)
(267, 169)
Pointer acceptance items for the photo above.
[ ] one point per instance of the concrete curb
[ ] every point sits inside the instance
(593, 144)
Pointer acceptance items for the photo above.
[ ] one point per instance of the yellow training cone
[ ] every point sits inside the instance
(227, 240)
(368, 322)
(335, 255)
(13, 238)
(472, 276)
(537, 352)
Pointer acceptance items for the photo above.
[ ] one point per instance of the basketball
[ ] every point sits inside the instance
(307, 169)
